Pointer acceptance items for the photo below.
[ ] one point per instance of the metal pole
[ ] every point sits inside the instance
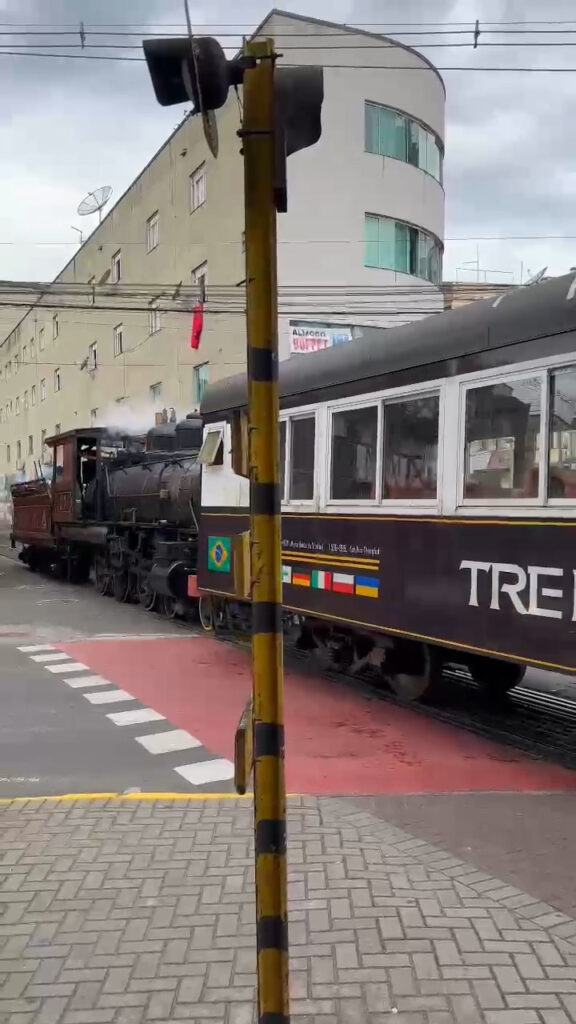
(265, 535)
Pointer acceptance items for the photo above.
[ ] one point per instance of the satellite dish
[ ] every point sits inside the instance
(536, 278)
(209, 122)
(94, 201)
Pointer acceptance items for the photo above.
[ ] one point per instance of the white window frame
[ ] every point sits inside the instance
(303, 413)
(154, 397)
(55, 327)
(352, 405)
(118, 339)
(153, 318)
(197, 179)
(17, 405)
(210, 430)
(418, 391)
(199, 274)
(117, 266)
(43, 389)
(57, 379)
(33, 395)
(41, 339)
(93, 355)
(30, 444)
(152, 231)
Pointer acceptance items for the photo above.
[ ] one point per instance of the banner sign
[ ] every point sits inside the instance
(313, 337)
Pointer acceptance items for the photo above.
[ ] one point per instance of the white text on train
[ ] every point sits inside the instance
(524, 589)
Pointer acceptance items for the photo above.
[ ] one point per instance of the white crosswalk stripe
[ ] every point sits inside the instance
(135, 717)
(108, 696)
(217, 770)
(165, 742)
(78, 682)
(68, 666)
(53, 656)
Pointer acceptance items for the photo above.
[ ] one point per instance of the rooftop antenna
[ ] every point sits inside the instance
(94, 201)
(536, 278)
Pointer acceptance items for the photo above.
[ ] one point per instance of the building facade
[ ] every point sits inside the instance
(360, 245)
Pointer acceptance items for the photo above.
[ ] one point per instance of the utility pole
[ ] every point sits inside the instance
(258, 142)
(281, 115)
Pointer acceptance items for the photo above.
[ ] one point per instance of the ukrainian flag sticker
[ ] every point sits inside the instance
(219, 559)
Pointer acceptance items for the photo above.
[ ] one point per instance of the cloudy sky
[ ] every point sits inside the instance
(70, 125)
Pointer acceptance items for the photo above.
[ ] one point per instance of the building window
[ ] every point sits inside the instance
(394, 245)
(118, 340)
(153, 319)
(32, 350)
(152, 232)
(410, 456)
(156, 392)
(503, 440)
(24, 355)
(41, 339)
(354, 447)
(201, 381)
(18, 451)
(33, 394)
(8, 456)
(55, 327)
(198, 188)
(17, 405)
(200, 278)
(16, 363)
(389, 133)
(57, 379)
(116, 267)
(8, 369)
(30, 444)
(93, 355)
(43, 389)
(212, 450)
(93, 416)
(25, 400)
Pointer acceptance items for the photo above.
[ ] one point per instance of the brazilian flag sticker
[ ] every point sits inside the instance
(219, 559)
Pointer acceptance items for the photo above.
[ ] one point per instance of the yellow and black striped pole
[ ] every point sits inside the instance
(265, 535)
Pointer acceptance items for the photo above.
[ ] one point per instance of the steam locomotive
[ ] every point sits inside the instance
(127, 507)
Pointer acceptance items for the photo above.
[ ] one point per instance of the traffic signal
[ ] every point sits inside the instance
(197, 71)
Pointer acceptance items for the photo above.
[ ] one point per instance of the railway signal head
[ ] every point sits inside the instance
(196, 70)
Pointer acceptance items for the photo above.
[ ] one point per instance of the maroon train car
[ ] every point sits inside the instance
(428, 493)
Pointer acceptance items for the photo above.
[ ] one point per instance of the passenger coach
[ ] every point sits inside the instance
(429, 493)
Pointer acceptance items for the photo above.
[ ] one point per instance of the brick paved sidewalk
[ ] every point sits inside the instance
(143, 911)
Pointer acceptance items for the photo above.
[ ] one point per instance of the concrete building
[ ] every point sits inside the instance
(361, 244)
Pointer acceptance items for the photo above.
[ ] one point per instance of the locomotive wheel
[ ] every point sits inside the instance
(496, 678)
(206, 614)
(102, 580)
(408, 670)
(170, 607)
(121, 587)
(146, 596)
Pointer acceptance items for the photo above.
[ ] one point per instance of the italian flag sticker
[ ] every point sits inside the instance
(321, 580)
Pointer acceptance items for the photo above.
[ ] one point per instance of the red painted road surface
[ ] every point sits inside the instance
(337, 742)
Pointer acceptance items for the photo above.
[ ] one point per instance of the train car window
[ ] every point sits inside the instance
(410, 455)
(562, 441)
(282, 429)
(354, 448)
(302, 442)
(212, 450)
(503, 440)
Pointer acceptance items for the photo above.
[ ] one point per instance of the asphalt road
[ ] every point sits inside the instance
(52, 740)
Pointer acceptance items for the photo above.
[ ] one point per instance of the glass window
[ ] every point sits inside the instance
(58, 461)
(212, 450)
(502, 440)
(30, 444)
(389, 133)
(118, 340)
(410, 456)
(156, 391)
(116, 267)
(562, 442)
(201, 381)
(354, 440)
(152, 232)
(153, 319)
(302, 440)
(282, 429)
(198, 188)
(394, 245)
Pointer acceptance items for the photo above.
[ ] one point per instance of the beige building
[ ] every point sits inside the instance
(111, 342)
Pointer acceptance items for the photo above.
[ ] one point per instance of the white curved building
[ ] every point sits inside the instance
(366, 203)
(360, 245)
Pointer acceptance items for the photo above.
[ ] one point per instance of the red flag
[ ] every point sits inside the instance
(197, 325)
